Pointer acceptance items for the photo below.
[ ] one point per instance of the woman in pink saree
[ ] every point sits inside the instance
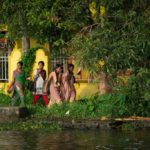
(54, 86)
(68, 80)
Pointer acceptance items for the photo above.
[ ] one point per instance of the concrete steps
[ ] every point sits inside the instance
(12, 114)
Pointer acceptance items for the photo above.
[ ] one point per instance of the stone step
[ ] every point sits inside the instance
(12, 114)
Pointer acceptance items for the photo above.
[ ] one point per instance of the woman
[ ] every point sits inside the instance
(68, 80)
(39, 78)
(54, 79)
(18, 85)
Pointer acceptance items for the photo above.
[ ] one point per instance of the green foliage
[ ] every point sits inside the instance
(120, 37)
(122, 41)
(2, 35)
(5, 100)
(28, 97)
(55, 21)
(13, 14)
(29, 125)
(28, 59)
(58, 22)
(138, 93)
(109, 105)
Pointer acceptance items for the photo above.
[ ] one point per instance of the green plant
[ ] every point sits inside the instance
(138, 93)
(2, 35)
(29, 125)
(109, 105)
(28, 59)
(2, 89)
(5, 100)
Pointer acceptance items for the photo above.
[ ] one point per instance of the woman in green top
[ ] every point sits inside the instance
(18, 84)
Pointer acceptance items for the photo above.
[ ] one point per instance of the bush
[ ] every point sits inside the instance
(108, 105)
(5, 100)
(138, 93)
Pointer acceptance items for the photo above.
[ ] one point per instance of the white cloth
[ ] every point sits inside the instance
(39, 83)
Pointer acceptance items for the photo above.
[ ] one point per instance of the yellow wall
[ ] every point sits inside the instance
(41, 56)
(34, 43)
(84, 90)
(3, 87)
(15, 56)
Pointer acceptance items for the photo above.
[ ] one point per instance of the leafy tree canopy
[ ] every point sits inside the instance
(120, 37)
(53, 21)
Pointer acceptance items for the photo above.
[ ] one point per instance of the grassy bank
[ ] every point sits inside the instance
(95, 107)
(29, 125)
(109, 105)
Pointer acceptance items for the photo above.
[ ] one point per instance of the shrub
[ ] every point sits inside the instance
(5, 100)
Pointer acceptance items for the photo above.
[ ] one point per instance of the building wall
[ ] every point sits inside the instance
(15, 56)
(84, 90)
(41, 56)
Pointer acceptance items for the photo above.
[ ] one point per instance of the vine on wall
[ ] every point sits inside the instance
(28, 59)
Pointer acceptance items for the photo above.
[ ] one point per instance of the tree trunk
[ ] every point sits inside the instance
(25, 43)
(104, 85)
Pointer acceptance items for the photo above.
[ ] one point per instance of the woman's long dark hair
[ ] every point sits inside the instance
(72, 74)
(69, 66)
(57, 75)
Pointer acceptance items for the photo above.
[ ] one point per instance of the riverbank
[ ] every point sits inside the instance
(123, 124)
(97, 112)
(18, 118)
(49, 123)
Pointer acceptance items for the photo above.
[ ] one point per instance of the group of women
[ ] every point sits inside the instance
(59, 84)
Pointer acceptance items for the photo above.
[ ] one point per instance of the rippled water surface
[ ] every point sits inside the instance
(75, 140)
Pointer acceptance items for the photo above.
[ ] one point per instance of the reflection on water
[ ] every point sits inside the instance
(75, 140)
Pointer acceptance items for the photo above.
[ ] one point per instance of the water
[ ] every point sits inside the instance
(75, 140)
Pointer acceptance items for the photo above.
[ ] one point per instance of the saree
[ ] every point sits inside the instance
(19, 84)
